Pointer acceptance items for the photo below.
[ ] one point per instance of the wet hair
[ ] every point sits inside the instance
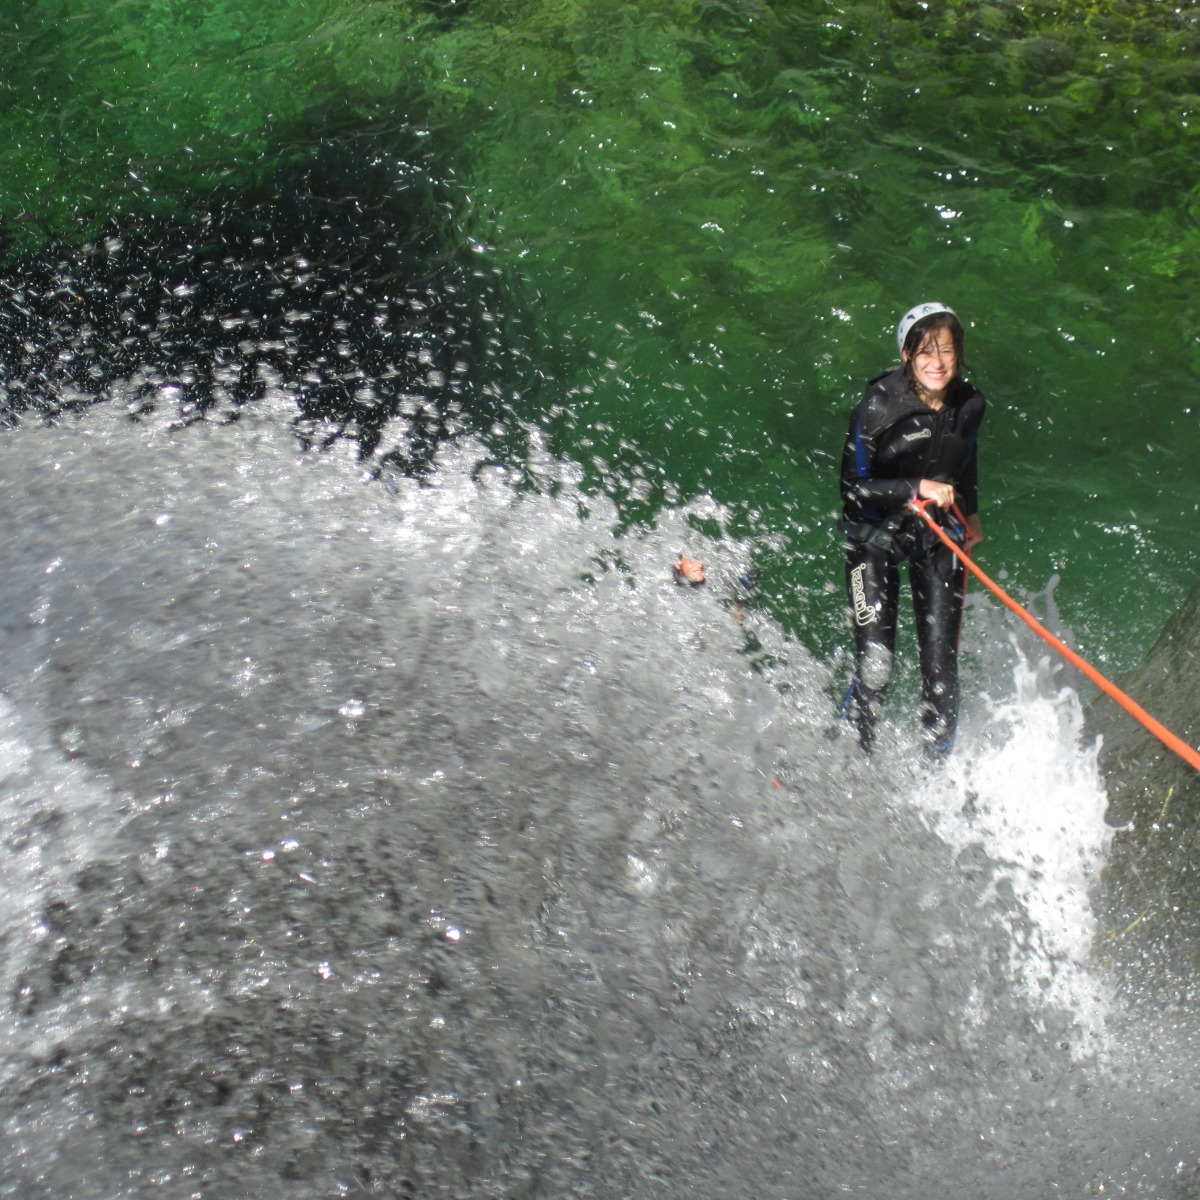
(921, 330)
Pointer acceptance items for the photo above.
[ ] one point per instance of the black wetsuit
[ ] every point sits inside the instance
(894, 442)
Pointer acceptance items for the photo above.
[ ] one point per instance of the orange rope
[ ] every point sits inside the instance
(1160, 731)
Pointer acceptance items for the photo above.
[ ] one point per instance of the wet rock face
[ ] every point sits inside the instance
(1153, 880)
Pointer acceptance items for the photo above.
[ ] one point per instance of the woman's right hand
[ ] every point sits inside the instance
(942, 494)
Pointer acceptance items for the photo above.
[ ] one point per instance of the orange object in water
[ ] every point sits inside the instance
(689, 570)
(1172, 741)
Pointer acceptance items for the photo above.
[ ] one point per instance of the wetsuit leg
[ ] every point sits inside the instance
(936, 579)
(873, 588)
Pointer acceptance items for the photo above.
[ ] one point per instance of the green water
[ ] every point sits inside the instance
(711, 214)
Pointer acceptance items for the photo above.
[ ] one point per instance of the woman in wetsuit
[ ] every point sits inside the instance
(912, 434)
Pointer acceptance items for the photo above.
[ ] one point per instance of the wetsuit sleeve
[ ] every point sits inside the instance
(967, 487)
(967, 484)
(863, 493)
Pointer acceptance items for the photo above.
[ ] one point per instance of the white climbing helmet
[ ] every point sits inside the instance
(914, 314)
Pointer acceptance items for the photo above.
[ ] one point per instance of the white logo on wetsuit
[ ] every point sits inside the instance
(864, 614)
(918, 437)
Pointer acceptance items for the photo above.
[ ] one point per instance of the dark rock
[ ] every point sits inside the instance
(1152, 882)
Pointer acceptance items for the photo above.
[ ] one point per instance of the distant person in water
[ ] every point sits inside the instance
(913, 434)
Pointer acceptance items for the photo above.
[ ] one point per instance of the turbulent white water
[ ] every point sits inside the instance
(433, 842)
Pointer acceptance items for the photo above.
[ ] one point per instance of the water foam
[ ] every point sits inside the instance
(1023, 789)
(471, 788)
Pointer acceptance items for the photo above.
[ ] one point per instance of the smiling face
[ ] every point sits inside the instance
(934, 363)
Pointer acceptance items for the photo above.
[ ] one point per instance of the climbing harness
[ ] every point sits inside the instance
(1160, 731)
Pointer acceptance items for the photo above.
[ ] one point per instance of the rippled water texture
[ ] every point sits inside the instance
(378, 816)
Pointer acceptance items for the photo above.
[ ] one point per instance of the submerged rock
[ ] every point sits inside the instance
(1153, 881)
